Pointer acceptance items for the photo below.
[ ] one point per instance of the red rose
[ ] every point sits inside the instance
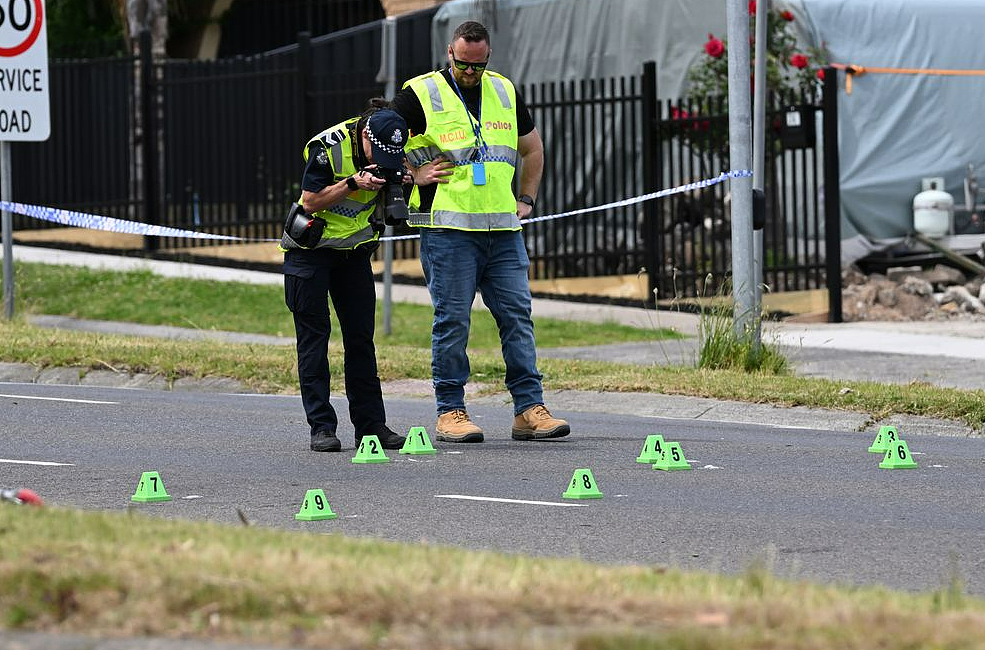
(678, 114)
(798, 61)
(787, 16)
(752, 7)
(714, 47)
(820, 74)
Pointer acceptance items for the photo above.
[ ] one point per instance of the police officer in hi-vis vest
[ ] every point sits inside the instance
(339, 193)
(469, 131)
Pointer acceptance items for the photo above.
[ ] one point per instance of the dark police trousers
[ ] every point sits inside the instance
(310, 276)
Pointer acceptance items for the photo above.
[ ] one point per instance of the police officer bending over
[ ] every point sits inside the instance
(339, 195)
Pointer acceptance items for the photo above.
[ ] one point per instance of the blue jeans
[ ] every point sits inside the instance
(456, 263)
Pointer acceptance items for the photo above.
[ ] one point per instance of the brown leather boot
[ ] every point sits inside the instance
(537, 422)
(455, 426)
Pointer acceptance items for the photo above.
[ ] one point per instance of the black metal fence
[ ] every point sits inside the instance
(592, 156)
(231, 169)
(224, 157)
(88, 162)
(690, 233)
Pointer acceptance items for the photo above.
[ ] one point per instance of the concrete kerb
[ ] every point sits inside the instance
(47, 641)
(25, 373)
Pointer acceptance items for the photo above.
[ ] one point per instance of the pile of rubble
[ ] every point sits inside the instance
(911, 293)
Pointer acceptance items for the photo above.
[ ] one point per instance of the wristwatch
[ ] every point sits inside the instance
(526, 198)
(351, 182)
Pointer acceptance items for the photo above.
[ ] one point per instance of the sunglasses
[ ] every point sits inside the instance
(465, 65)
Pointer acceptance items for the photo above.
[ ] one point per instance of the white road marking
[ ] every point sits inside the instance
(36, 462)
(59, 399)
(711, 467)
(532, 503)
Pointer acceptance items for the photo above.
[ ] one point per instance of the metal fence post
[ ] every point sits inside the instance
(832, 196)
(651, 156)
(305, 85)
(388, 76)
(149, 139)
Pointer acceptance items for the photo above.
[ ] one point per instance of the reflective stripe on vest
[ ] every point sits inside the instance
(434, 94)
(466, 221)
(460, 204)
(497, 153)
(346, 222)
(504, 97)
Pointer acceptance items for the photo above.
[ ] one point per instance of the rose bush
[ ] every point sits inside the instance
(788, 67)
(701, 120)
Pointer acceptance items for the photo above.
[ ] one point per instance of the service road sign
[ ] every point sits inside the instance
(23, 71)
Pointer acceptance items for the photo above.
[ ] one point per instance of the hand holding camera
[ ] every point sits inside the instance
(390, 183)
(370, 178)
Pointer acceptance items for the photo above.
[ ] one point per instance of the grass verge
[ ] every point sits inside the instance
(142, 297)
(121, 574)
(274, 369)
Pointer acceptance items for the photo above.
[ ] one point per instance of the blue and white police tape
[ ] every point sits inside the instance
(687, 187)
(110, 224)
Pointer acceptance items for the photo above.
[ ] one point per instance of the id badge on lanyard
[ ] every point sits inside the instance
(478, 173)
(478, 162)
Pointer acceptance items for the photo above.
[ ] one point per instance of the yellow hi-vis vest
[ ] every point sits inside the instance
(346, 222)
(459, 204)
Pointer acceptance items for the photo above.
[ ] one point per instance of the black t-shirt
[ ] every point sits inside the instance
(409, 106)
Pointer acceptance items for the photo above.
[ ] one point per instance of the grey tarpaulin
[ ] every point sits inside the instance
(548, 40)
(897, 129)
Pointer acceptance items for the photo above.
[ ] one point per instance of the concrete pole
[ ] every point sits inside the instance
(6, 194)
(740, 137)
(388, 74)
(759, 153)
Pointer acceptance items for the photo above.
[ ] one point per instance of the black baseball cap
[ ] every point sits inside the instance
(387, 132)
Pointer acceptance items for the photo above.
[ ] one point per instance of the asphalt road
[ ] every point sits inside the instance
(811, 503)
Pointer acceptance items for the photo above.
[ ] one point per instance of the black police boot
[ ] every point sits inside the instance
(325, 441)
(388, 438)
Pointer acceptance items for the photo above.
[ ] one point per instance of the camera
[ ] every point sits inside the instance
(394, 206)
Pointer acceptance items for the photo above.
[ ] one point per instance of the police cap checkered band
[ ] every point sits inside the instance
(388, 131)
(389, 148)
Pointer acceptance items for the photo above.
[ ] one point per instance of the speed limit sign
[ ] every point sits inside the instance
(23, 71)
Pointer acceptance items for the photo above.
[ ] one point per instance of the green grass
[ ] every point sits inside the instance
(142, 297)
(125, 574)
(722, 349)
(274, 369)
